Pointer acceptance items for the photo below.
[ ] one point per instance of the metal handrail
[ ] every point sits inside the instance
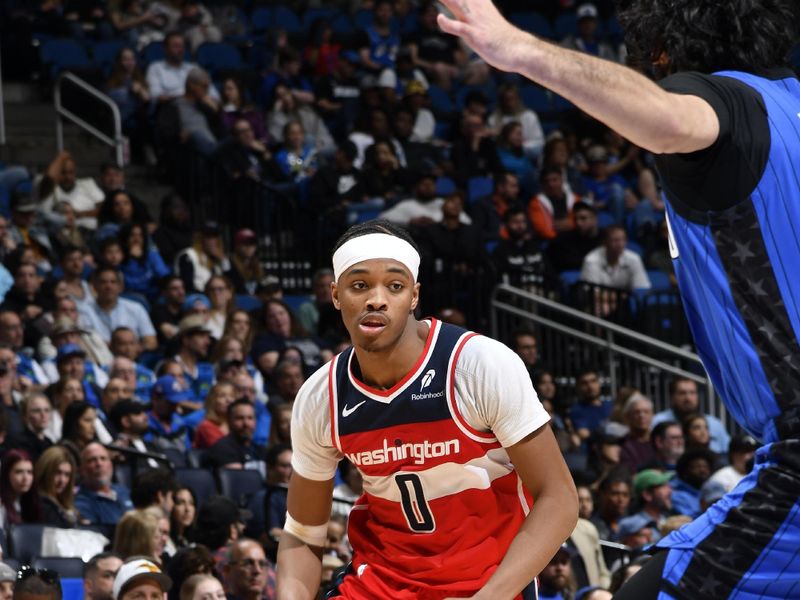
(118, 141)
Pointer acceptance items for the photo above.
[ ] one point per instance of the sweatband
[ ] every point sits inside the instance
(313, 535)
(375, 245)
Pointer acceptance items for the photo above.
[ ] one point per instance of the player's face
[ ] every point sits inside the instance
(376, 297)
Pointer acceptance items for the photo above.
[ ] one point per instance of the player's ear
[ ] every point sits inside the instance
(335, 296)
(415, 297)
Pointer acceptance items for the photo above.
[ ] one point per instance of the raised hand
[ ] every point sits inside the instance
(486, 31)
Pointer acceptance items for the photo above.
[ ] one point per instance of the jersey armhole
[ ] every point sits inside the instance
(461, 422)
(333, 403)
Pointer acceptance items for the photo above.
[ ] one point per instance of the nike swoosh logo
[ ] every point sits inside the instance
(346, 412)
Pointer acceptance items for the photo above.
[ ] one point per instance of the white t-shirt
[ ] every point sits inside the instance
(628, 274)
(493, 393)
(405, 211)
(85, 195)
(728, 477)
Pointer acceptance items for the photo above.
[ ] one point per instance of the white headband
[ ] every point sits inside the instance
(375, 245)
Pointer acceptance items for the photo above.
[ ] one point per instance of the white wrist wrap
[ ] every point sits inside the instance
(313, 535)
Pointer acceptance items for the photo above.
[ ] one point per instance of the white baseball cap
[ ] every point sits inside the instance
(139, 567)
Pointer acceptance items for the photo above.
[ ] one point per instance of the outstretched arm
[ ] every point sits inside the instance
(626, 101)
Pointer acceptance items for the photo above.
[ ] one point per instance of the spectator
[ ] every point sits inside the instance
(55, 475)
(438, 54)
(338, 95)
(110, 253)
(281, 426)
(154, 487)
(695, 431)
(128, 88)
(684, 401)
(138, 23)
(112, 177)
(246, 389)
(174, 232)
(108, 311)
(556, 581)
(589, 563)
(235, 109)
(37, 584)
(652, 491)
(168, 311)
(614, 499)
(244, 155)
(215, 424)
(346, 493)
(167, 429)
(585, 502)
(415, 98)
(585, 39)
(99, 574)
(240, 325)
(219, 523)
(19, 498)
(636, 531)
(380, 42)
(740, 455)
(518, 260)
(79, 430)
(649, 211)
(99, 501)
(491, 212)
(607, 191)
(637, 414)
(36, 414)
(229, 354)
(127, 351)
(605, 448)
(73, 265)
(193, 560)
(556, 154)
(62, 393)
(248, 573)
(694, 468)
(220, 292)
(308, 313)
(335, 185)
(131, 422)
(287, 109)
(511, 152)
(550, 211)
(61, 184)
(592, 409)
(613, 265)
(196, 23)
(143, 266)
(297, 159)
(287, 73)
(136, 534)
(384, 180)
(669, 444)
(206, 257)
(510, 109)
(237, 450)
(196, 114)
(425, 208)
(139, 577)
(625, 572)
(182, 518)
(195, 341)
(67, 340)
(7, 578)
(569, 249)
(202, 587)
(167, 78)
(28, 299)
(474, 153)
(710, 492)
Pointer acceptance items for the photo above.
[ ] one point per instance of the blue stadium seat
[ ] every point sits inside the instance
(65, 567)
(489, 90)
(240, 484)
(196, 458)
(247, 302)
(561, 104)
(63, 54)
(566, 24)
(286, 19)
(5, 202)
(536, 98)
(441, 103)
(216, 57)
(295, 301)
(479, 187)
(659, 280)
(176, 457)
(105, 53)
(255, 526)
(532, 22)
(72, 588)
(362, 19)
(25, 541)
(604, 219)
(316, 14)
(566, 280)
(155, 51)
(123, 474)
(635, 247)
(445, 186)
(342, 24)
(613, 30)
(261, 19)
(200, 481)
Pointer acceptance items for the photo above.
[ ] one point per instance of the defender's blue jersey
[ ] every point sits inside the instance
(739, 275)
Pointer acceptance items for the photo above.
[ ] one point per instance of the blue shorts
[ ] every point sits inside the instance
(747, 545)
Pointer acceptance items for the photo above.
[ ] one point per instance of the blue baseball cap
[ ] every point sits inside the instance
(69, 350)
(170, 388)
(633, 524)
(193, 299)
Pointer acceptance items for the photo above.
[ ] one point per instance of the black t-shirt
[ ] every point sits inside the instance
(228, 450)
(727, 172)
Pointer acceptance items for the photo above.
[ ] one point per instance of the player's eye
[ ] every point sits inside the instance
(359, 285)
(396, 286)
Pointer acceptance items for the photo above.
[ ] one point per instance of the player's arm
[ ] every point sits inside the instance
(544, 473)
(626, 101)
(300, 560)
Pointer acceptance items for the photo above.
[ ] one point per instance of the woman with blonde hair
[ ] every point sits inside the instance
(54, 476)
(137, 534)
(202, 587)
(215, 424)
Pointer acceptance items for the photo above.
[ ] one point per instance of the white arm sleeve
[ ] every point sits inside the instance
(313, 454)
(494, 391)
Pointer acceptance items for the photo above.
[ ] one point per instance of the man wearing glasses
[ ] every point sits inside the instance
(248, 574)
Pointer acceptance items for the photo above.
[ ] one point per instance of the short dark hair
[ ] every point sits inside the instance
(238, 402)
(70, 249)
(274, 452)
(692, 455)
(660, 430)
(91, 566)
(546, 171)
(709, 36)
(149, 483)
(98, 272)
(374, 226)
(513, 211)
(673, 384)
(35, 585)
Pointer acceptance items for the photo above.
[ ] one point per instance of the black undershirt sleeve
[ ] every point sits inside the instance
(728, 171)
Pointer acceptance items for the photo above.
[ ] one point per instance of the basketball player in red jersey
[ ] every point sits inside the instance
(466, 494)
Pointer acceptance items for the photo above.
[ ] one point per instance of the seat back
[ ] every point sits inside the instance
(240, 484)
(200, 481)
(65, 567)
(25, 541)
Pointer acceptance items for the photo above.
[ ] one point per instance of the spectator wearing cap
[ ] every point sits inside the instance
(613, 265)
(710, 492)
(167, 428)
(684, 400)
(167, 312)
(195, 340)
(99, 574)
(8, 577)
(694, 468)
(556, 581)
(108, 310)
(126, 346)
(415, 97)
(550, 211)
(569, 248)
(740, 455)
(26, 229)
(637, 414)
(237, 449)
(585, 38)
(637, 531)
(130, 420)
(67, 332)
(71, 364)
(249, 575)
(394, 81)
(606, 191)
(206, 257)
(99, 501)
(139, 578)
(652, 490)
